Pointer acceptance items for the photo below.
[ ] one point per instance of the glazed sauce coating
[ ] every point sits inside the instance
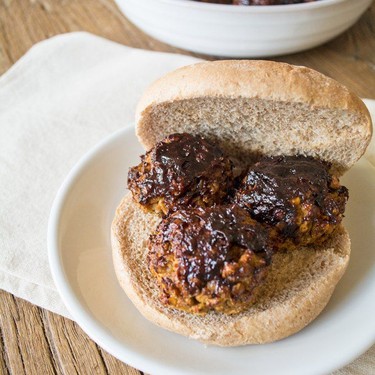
(209, 259)
(183, 169)
(213, 246)
(296, 194)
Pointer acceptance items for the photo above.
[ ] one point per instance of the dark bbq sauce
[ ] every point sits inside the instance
(213, 246)
(183, 169)
(220, 246)
(287, 191)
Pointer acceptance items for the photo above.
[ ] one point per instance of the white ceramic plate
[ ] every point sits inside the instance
(80, 258)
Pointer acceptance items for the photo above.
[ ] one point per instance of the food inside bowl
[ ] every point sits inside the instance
(255, 2)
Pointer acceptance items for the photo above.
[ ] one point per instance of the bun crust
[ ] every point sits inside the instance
(300, 284)
(258, 107)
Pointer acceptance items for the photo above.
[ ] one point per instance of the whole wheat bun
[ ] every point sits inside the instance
(249, 108)
(252, 107)
(298, 286)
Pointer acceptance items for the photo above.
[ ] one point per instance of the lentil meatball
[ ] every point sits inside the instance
(181, 170)
(296, 195)
(209, 259)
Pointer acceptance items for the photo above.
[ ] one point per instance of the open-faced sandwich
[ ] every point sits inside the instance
(232, 230)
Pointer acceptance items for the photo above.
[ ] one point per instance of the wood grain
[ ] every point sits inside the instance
(36, 341)
(33, 340)
(23, 333)
(3, 364)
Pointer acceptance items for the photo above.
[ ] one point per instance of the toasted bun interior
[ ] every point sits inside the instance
(298, 287)
(258, 107)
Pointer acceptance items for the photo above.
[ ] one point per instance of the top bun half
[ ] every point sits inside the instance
(258, 107)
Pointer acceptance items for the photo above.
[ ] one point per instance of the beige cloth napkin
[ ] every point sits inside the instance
(63, 97)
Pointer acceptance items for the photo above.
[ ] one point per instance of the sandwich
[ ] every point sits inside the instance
(232, 231)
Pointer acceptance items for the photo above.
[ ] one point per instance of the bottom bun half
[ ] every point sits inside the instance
(298, 287)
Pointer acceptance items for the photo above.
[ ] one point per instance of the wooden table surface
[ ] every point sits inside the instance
(34, 340)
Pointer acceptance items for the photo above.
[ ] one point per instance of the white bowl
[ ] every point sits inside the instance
(243, 31)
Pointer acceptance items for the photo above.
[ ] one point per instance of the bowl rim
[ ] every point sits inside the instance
(254, 8)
